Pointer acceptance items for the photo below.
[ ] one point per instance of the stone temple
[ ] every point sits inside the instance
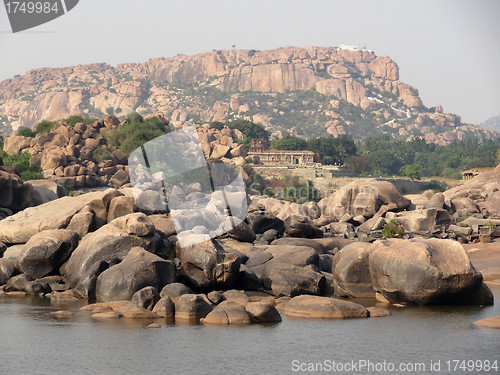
(259, 149)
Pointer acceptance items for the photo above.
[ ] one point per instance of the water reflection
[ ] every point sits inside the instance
(35, 342)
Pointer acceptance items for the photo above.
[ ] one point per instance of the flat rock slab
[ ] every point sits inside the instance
(315, 307)
(493, 322)
(56, 214)
(378, 312)
(486, 258)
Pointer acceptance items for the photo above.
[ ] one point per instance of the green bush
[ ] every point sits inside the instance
(22, 164)
(391, 229)
(45, 126)
(251, 53)
(26, 132)
(135, 132)
(100, 154)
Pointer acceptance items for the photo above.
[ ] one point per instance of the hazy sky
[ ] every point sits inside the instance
(447, 49)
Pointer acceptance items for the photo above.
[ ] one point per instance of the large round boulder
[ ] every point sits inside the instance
(191, 307)
(228, 312)
(207, 265)
(46, 251)
(351, 271)
(110, 242)
(139, 269)
(426, 271)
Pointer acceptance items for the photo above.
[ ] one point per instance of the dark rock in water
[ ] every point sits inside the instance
(301, 226)
(314, 307)
(287, 280)
(318, 247)
(139, 269)
(208, 265)
(242, 232)
(7, 269)
(131, 310)
(378, 312)
(113, 240)
(227, 312)
(18, 283)
(263, 312)
(146, 298)
(426, 271)
(262, 221)
(165, 308)
(36, 287)
(46, 251)
(175, 290)
(191, 307)
(86, 285)
(352, 272)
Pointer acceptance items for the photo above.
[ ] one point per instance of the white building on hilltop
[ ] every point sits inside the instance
(353, 48)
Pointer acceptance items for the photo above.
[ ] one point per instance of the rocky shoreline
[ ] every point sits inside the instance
(303, 260)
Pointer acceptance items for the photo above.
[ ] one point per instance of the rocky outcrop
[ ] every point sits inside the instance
(363, 197)
(57, 214)
(359, 77)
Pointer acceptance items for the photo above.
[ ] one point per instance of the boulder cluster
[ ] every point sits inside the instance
(66, 154)
(295, 258)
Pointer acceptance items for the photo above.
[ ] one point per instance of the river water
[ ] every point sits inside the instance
(34, 342)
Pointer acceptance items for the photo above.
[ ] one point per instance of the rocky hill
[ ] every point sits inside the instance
(306, 92)
(492, 123)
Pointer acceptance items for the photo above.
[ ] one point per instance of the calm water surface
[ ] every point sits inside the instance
(33, 342)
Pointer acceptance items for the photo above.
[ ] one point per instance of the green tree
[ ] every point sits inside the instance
(135, 132)
(413, 171)
(289, 143)
(45, 126)
(358, 164)
(385, 161)
(26, 132)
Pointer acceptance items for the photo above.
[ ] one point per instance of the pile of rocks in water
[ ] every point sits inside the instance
(103, 247)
